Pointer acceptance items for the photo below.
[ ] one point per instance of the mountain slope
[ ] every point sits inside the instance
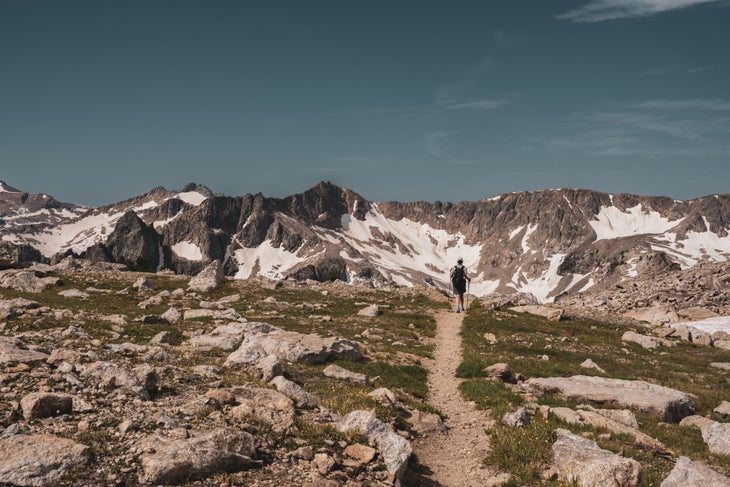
(545, 242)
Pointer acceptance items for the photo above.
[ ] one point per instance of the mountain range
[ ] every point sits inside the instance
(546, 243)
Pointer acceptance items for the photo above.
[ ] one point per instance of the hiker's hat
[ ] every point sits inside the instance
(460, 261)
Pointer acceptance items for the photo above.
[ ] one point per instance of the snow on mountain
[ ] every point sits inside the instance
(546, 243)
(611, 222)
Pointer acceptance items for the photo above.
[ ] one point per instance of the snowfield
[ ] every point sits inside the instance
(611, 222)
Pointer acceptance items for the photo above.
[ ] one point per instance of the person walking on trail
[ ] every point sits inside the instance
(459, 277)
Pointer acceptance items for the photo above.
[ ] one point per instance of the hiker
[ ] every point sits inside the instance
(458, 281)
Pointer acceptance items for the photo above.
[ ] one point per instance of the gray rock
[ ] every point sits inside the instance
(590, 364)
(518, 419)
(324, 463)
(723, 410)
(687, 473)
(173, 460)
(172, 315)
(577, 459)
(267, 404)
(302, 398)
(164, 337)
(262, 340)
(645, 341)
(723, 344)
(38, 405)
(208, 279)
(225, 337)
(337, 372)
(370, 311)
(384, 396)
(717, 437)
(143, 284)
(502, 372)
(594, 418)
(74, 293)
(720, 365)
(142, 379)
(270, 367)
(424, 423)
(25, 281)
(37, 460)
(668, 404)
(491, 338)
(393, 448)
(13, 350)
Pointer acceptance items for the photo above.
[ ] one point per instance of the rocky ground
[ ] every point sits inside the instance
(109, 377)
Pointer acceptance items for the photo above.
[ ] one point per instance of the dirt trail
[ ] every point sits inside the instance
(453, 458)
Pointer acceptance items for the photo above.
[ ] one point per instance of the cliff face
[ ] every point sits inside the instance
(546, 242)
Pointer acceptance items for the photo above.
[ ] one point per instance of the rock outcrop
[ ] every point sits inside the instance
(577, 459)
(37, 460)
(687, 473)
(663, 402)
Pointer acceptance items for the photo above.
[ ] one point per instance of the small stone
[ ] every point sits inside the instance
(324, 463)
(362, 453)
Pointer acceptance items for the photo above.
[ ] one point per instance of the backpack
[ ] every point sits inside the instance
(457, 275)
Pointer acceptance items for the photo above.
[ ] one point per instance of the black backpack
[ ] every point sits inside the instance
(457, 275)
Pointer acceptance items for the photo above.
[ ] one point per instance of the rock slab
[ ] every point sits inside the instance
(687, 473)
(178, 460)
(668, 404)
(577, 459)
(36, 460)
(394, 449)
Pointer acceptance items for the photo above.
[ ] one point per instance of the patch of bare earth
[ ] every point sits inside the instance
(453, 458)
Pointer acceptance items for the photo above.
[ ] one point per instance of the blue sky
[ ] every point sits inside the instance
(398, 100)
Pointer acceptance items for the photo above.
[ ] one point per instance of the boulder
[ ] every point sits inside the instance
(26, 281)
(225, 337)
(598, 420)
(262, 340)
(590, 364)
(549, 312)
(141, 379)
(502, 372)
(302, 398)
(171, 316)
(13, 350)
(337, 372)
(73, 293)
(687, 473)
(266, 404)
(36, 460)
(363, 454)
(38, 405)
(393, 448)
(270, 367)
(645, 341)
(370, 311)
(577, 459)
(723, 410)
(517, 419)
(13, 255)
(716, 435)
(655, 314)
(668, 404)
(171, 460)
(208, 279)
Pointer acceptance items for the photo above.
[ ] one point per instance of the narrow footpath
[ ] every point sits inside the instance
(454, 458)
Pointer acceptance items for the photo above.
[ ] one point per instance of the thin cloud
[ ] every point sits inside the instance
(690, 104)
(476, 105)
(602, 10)
(699, 69)
(433, 142)
(453, 92)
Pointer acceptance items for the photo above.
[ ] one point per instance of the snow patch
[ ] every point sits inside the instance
(696, 246)
(191, 197)
(543, 285)
(272, 262)
(611, 222)
(530, 230)
(187, 250)
(516, 231)
(710, 325)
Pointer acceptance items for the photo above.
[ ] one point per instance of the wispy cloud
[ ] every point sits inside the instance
(456, 90)
(690, 104)
(602, 10)
(691, 128)
(433, 142)
(678, 69)
(477, 105)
